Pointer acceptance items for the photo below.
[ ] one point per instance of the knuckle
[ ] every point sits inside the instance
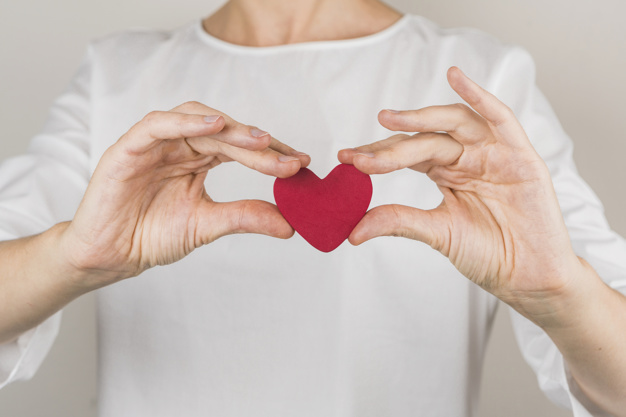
(463, 109)
(218, 147)
(151, 117)
(399, 137)
(507, 111)
(397, 223)
(240, 221)
(189, 106)
(504, 115)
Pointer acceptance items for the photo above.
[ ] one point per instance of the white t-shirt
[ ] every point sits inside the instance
(255, 326)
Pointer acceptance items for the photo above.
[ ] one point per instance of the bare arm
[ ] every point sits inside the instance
(500, 224)
(145, 205)
(36, 281)
(587, 322)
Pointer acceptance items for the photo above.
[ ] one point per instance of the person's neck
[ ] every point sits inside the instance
(280, 22)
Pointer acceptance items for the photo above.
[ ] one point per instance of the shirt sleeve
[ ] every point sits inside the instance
(39, 189)
(588, 228)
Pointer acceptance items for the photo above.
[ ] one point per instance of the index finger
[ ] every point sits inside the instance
(233, 132)
(157, 126)
(458, 120)
(420, 152)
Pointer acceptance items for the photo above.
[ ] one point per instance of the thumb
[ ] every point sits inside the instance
(398, 220)
(244, 216)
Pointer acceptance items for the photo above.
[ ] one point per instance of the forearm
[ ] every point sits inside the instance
(36, 281)
(587, 322)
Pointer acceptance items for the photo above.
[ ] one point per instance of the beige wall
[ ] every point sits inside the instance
(581, 56)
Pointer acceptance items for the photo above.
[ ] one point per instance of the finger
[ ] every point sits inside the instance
(419, 152)
(498, 114)
(245, 216)
(157, 126)
(234, 132)
(461, 122)
(195, 107)
(243, 136)
(238, 134)
(280, 147)
(266, 161)
(403, 221)
(345, 156)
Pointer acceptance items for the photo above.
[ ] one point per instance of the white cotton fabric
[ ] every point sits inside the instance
(251, 325)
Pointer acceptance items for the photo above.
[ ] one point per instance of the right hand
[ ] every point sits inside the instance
(146, 203)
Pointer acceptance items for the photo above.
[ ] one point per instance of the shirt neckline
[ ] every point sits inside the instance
(312, 45)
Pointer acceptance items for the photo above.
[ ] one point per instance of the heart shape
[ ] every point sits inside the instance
(326, 211)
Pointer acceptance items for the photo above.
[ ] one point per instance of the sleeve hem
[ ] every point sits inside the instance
(31, 349)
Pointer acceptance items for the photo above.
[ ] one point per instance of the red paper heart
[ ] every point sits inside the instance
(326, 211)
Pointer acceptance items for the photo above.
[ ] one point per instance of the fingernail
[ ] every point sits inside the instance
(257, 133)
(392, 111)
(296, 153)
(368, 154)
(287, 158)
(211, 119)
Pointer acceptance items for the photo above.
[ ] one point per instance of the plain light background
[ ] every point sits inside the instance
(580, 50)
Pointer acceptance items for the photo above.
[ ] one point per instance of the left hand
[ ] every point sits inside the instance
(499, 223)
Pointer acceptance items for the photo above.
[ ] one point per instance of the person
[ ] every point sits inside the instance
(248, 325)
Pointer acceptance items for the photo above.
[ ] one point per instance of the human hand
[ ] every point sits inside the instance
(146, 203)
(499, 222)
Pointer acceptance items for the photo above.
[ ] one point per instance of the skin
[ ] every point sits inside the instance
(146, 205)
(501, 226)
(280, 22)
(499, 222)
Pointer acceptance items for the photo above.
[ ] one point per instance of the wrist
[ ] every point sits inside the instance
(37, 281)
(81, 276)
(586, 322)
(567, 305)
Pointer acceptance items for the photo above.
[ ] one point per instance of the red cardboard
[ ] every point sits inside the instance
(324, 212)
